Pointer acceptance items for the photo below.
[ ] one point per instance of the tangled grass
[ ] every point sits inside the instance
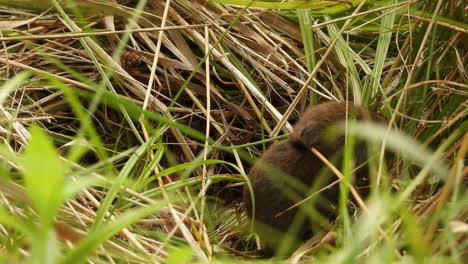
(127, 127)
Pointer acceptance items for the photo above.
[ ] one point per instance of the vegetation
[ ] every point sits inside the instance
(127, 127)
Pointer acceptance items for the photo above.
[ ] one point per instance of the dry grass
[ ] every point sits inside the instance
(155, 109)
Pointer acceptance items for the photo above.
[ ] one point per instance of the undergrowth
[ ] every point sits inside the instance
(127, 127)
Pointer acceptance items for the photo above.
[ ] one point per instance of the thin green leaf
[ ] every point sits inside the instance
(93, 240)
(11, 84)
(306, 4)
(116, 186)
(44, 175)
(386, 27)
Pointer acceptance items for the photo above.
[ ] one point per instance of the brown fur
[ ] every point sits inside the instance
(291, 159)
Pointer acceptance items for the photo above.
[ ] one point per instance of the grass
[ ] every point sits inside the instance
(127, 128)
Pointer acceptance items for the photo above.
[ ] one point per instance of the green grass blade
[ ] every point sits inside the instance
(346, 56)
(305, 24)
(93, 240)
(44, 176)
(116, 186)
(384, 40)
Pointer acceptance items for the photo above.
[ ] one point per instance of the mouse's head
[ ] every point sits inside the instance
(316, 126)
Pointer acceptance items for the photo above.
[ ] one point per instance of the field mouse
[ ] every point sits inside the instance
(288, 172)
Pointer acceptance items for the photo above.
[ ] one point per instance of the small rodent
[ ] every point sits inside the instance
(291, 159)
